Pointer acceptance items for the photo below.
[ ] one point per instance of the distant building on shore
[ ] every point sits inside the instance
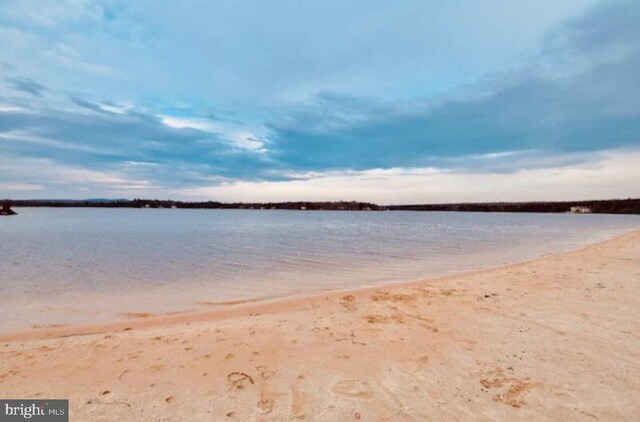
(580, 210)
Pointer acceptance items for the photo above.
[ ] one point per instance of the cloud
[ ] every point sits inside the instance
(99, 137)
(27, 85)
(70, 58)
(42, 174)
(98, 108)
(571, 105)
(610, 174)
(10, 107)
(579, 95)
(21, 187)
(238, 135)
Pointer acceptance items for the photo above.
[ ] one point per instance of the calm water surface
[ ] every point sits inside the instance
(80, 266)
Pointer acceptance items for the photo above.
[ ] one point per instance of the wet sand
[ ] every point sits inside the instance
(557, 338)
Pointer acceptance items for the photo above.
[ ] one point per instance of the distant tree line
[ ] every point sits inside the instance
(611, 206)
(160, 203)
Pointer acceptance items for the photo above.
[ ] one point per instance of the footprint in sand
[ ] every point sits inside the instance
(383, 319)
(349, 303)
(239, 380)
(265, 373)
(353, 388)
(297, 399)
(266, 405)
(267, 400)
(390, 297)
(515, 387)
(512, 395)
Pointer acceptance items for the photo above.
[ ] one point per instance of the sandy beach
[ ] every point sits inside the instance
(557, 338)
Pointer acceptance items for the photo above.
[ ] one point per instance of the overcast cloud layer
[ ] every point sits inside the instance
(384, 101)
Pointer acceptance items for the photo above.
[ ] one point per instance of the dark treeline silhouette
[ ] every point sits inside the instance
(610, 206)
(159, 203)
(6, 208)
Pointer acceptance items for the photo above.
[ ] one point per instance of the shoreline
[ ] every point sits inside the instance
(555, 338)
(267, 305)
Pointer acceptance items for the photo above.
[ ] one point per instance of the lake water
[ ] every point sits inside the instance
(81, 266)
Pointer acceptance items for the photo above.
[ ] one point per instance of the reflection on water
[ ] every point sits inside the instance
(69, 266)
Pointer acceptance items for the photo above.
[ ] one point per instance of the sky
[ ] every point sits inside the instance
(404, 101)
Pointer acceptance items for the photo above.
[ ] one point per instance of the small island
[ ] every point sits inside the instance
(6, 209)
